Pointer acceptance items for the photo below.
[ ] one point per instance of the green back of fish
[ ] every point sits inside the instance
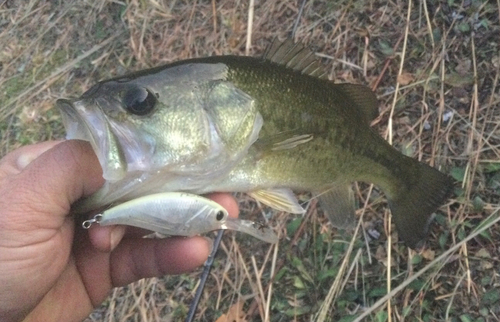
(338, 147)
(335, 128)
(316, 136)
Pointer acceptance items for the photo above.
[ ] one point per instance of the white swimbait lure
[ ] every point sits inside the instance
(179, 214)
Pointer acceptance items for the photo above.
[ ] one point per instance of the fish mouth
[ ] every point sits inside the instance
(74, 123)
(91, 124)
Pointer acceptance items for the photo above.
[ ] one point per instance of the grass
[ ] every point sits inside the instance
(435, 67)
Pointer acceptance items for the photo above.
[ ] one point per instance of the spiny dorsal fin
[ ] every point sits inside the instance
(363, 97)
(295, 56)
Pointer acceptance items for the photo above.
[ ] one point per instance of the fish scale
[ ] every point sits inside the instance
(265, 126)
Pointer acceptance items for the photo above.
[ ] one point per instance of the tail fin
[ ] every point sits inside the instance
(412, 207)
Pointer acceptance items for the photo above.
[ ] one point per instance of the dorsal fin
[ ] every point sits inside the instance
(363, 97)
(295, 56)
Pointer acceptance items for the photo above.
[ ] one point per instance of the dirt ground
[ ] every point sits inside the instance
(435, 68)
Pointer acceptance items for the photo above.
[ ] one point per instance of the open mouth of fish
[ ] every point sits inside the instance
(91, 125)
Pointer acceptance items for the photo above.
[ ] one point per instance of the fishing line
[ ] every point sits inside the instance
(204, 276)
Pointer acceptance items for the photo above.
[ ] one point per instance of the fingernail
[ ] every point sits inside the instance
(116, 236)
(28, 156)
(24, 159)
(210, 244)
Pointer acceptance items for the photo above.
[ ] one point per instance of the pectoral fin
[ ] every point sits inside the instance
(338, 204)
(283, 141)
(280, 199)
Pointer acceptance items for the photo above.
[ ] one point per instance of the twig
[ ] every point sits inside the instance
(46, 82)
(296, 24)
(281, 263)
(251, 7)
(486, 224)
(270, 288)
(386, 65)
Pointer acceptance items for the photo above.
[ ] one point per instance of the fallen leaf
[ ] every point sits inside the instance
(484, 253)
(428, 254)
(495, 61)
(234, 314)
(485, 265)
(380, 254)
(463, 67)
(405, 79)
(454, 79)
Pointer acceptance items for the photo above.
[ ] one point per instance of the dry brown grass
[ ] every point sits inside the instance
(435, 66)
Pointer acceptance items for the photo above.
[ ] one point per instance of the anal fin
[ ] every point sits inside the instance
(338, 204)
(280, 199)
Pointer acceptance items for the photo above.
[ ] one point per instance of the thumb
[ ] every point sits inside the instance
(50, 183)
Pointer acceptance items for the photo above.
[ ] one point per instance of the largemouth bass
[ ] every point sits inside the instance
(265, 126)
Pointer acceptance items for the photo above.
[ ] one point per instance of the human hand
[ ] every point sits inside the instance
(50, 271)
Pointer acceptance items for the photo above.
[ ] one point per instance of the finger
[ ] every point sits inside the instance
(17, 160)
(134, 259)
(107, 238)
(58, 177)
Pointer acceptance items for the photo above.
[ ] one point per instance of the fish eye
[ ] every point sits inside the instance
(139, 101)
(219, 216)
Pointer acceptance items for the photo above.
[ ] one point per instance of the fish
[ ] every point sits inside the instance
(267, 126)
(179, 214)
